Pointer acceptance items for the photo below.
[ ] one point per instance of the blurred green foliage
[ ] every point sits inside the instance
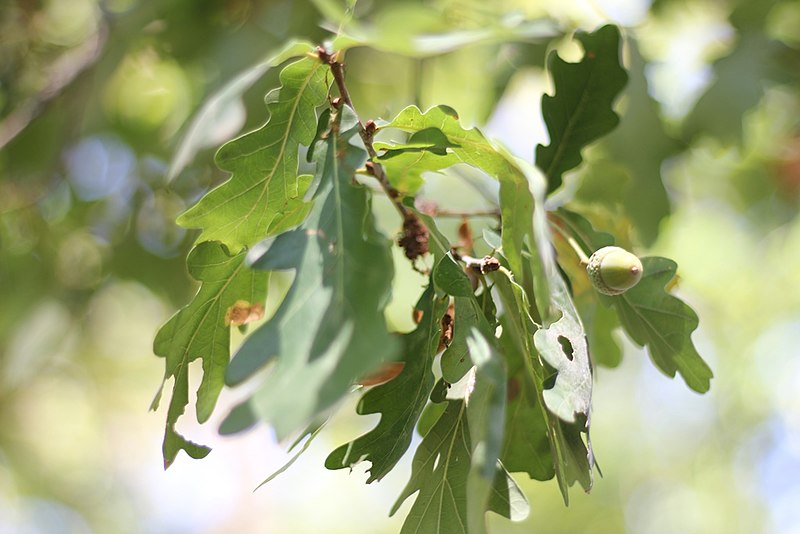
(704, 168)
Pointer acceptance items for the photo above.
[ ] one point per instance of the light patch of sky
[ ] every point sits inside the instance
(680, 46)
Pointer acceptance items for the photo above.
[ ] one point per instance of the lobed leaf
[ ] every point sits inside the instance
(650, 315)
(581, 110)
(226, 101)
(265, 195)
(440, 472)
(199, 330)
(663, 323)
(329, 330)
(399, 401)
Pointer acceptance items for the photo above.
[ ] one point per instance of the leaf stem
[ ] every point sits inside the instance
(366, 131)
(414, 239)
(584, 259)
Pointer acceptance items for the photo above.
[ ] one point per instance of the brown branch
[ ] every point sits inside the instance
(414, 238)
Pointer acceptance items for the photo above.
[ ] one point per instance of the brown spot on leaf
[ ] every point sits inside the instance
(416, 315)
(388, 371)
(242, 312)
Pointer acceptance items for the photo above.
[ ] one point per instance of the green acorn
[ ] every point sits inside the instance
(614, 270)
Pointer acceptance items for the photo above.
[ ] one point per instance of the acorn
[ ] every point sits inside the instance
(614, 270)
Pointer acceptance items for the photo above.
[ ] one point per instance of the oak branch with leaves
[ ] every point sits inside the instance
(497, 375)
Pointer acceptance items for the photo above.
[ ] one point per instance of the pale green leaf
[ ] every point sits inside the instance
(199, 330)
(265, 194)
(329, 330)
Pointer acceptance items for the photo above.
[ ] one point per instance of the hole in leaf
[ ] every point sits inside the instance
(566, 346)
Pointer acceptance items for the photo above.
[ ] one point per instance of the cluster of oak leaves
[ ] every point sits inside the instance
(497, 376)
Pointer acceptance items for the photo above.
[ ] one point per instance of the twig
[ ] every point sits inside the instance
(414, 239)
(487, 264)
(584, 259)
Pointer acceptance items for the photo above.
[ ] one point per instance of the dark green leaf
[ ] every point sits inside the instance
(265, 195)
(649, 314)
(456, 360)
(399, 401)
(439, 472)
(663, 323)
(199, 330)
(450, 277)
(580, 111)
(430, 414)
(329, 330)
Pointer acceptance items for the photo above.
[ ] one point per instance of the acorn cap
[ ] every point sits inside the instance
(614, 270)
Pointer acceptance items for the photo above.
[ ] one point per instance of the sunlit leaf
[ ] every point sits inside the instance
(199, 330)
(445, 142)
(581, 110)
(329, 330)
(226, 101)
(265, 194)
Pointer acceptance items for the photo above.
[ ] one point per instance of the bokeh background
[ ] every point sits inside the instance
(95, 96)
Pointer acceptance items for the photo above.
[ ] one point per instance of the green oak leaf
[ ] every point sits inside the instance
(399, 401)
(654, 318)
(650, 315)
(526, 447)
(329, 330)
(265, 195)
(199, 330)
(601, 323)
(201, 132)
(440, 472)
(581, 110)
(456, 360)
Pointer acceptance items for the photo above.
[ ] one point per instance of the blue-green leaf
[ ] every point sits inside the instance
(329, 331)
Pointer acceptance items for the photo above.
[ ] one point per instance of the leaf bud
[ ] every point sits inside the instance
(614, 270)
